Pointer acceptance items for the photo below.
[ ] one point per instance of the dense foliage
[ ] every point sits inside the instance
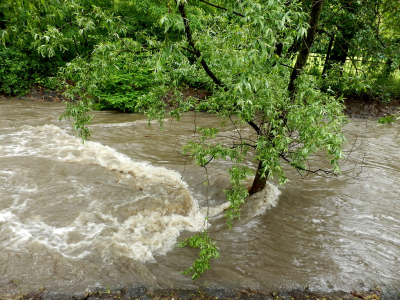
(252, 56)
(21, 68)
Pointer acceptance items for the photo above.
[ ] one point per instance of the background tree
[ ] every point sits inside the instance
(358, 41)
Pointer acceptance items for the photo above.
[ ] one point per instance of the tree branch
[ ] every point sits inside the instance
(188, 50)
(255, 127)
(336, 12)
(287, 66)
(326, 172)
(189, 36)
(223, 8)
(136, 52)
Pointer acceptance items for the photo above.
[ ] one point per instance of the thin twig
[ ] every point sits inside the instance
(223, 8)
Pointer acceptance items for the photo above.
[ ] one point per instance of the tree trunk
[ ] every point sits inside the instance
(259, 182)
(294, 48)
(339, 50)
(343, 38)
(2, 21)
(305, 46)
(328, 55)
(279, 49)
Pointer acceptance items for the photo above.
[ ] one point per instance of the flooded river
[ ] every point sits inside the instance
(110, 212)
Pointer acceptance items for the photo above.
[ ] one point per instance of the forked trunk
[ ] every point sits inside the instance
(259, 182)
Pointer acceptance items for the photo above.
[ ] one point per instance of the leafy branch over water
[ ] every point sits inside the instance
(208, 250)
(388, 119)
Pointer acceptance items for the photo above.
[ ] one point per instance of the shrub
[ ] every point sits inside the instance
(14, 71)
(122, 88)
(21, 68)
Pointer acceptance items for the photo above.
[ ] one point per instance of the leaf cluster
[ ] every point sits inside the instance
(388, 119)
(208, 250)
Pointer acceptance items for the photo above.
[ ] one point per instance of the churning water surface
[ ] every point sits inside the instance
(110, 212)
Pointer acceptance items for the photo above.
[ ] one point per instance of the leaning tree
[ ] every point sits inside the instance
(236, 45)
(242, 52)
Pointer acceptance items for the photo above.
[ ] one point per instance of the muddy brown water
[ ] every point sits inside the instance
(110, 212)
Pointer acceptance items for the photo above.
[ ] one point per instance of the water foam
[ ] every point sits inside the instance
(138, 228)
(128, 124)
(264, 200)
(255, 205)
(50, 141)
(147, 223)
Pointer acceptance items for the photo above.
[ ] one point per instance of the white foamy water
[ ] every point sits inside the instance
(152, 220)
(93, 212)
(263, 200)
(139, 227)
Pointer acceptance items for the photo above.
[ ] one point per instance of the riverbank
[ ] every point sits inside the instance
(355, 106)
(359, 107)
(141, 293)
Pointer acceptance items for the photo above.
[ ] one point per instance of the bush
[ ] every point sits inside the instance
(377, 87)
(122, 88)
(20, 69)
(14, 71)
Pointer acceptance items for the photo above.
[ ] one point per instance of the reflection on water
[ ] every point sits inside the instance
(110, 211)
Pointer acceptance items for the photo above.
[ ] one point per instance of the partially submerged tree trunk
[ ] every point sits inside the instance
(259, 181)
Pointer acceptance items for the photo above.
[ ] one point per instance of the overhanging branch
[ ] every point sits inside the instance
(197, 52)
(317, 171)
(189, 37)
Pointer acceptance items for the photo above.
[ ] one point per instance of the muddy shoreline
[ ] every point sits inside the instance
(141, 293)
(355, 106)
